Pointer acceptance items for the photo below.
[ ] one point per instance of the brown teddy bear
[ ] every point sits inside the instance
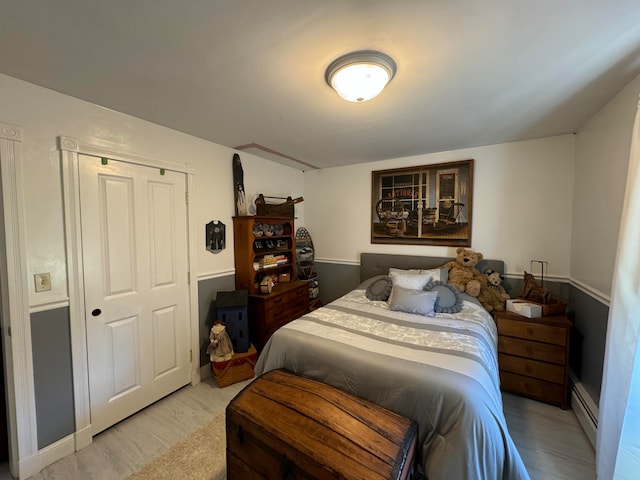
(493, 295)
(463, 273)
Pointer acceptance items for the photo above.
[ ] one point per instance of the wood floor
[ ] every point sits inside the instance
(550, 440)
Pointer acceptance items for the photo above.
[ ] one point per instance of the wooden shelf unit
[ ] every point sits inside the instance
(533, 355)
(251, 250)
(288, 300)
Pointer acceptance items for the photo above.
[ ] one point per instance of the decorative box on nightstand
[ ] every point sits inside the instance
(533, 355)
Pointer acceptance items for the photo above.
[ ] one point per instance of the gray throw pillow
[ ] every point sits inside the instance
(379, 289)
(413, 301)
(449, 300)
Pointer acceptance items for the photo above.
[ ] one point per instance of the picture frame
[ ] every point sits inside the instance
(423, 205)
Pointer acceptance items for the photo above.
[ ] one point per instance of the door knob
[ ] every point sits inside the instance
(95, 312)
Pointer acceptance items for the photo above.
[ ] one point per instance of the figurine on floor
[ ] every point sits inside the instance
(220, 349)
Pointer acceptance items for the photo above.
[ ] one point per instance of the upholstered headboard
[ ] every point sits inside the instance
(372, 264)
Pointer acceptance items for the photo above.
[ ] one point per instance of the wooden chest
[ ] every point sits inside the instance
(286, 426)
(533, 354)
(267, 313)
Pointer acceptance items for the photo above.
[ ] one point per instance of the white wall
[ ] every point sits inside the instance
(522, 205)
(43, 115)
(602, 160)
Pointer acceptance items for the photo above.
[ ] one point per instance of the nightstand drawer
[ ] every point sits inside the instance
(532, 331)
(532, 368)
(534, 350)
(538, 389)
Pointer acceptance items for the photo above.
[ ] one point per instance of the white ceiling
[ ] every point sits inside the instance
(242, 72)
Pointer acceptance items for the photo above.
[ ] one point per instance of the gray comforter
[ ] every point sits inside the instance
(442, 372)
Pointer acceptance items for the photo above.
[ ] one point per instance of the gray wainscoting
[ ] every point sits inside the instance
(51, 339)
(52, 375)
(52, 368)
(336, 279)
(590, 318)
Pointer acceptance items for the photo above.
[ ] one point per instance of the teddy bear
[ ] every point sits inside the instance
(463, 273)
(493, 295)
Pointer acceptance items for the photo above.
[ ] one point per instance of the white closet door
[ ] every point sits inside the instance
(134, 243)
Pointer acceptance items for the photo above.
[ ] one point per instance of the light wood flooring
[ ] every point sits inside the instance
(550, 440)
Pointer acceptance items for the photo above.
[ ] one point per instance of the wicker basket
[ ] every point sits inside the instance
(239, 368)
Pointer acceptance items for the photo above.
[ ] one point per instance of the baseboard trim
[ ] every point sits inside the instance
(83, 438)
(29, 466)
(205, 371)
(45, 457)
(585, 409)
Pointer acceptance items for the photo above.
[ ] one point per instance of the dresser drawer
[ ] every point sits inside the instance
(534, 350)
(532, 368)
(288, 306)
(267, 313)
(533, 388)
(294, 296)
(532, 331)
(271, 326)
(285, 313)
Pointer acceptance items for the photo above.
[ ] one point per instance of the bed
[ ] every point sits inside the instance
(441, 371)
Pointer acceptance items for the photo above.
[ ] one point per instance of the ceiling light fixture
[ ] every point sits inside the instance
(360, 76)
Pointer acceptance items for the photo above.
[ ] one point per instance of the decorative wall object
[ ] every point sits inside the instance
(215, 236)
(238, 187)
(423, 205)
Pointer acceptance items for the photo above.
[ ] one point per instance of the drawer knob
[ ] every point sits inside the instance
(530, 331)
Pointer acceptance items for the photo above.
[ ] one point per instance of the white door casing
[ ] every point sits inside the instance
(70, 151)
(16, 325)
(134, 243)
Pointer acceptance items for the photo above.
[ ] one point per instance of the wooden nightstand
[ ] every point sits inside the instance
(533, 355)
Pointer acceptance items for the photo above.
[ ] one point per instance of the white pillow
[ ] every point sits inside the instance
(419, 302)
(437, 274)
(413, 281)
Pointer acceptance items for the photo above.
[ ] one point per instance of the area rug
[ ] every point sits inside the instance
(201, 456)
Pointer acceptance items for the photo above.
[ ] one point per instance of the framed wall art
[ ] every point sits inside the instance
(424, 205)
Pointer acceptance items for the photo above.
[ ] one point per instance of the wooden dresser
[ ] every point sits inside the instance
(265, 247)
(533, 355)
(268, 312)
(286, 426)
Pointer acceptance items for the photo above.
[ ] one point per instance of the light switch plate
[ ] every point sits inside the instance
(42, 282)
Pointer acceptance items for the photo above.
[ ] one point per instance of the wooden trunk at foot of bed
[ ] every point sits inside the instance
(286, 426)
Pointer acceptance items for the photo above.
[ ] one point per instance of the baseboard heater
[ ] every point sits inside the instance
(585, 408)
